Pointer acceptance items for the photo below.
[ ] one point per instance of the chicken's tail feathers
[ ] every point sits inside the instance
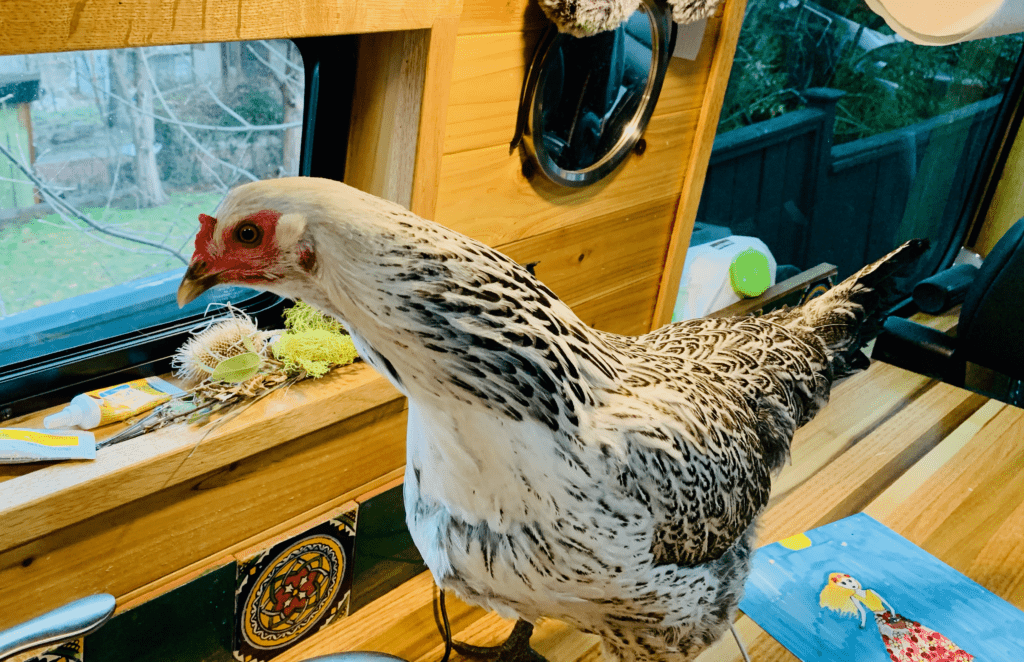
(851, 313)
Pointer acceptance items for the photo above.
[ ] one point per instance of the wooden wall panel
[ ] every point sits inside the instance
(722, 47)
(685, 80)
(484, 194)
(592, 258)
(489, 16)
(488, 79)
(486, 83)
(29, 26)
(626, 311)
(390, 73)
(433, 115)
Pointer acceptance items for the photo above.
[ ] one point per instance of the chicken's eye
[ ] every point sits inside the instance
(248, 234)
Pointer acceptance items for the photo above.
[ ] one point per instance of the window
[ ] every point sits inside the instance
(106, 160)
(838, 139)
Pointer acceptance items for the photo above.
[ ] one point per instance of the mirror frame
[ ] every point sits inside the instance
(663, 37)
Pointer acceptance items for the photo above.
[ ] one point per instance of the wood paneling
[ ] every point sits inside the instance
(486, 84)
(433, 115)
(484, 193)
(686, 80)
(589, 259)
(390, 74)
(140, 542)
(28, 26)
(488, 16)
(488, 80)
(626, 311)
(723, 49)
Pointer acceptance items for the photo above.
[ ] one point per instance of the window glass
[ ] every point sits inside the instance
(838, 139)
(106, 160)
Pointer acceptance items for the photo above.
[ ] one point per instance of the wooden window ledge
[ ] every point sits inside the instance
(40, 498)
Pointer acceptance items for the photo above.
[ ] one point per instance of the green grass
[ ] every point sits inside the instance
(45, 260)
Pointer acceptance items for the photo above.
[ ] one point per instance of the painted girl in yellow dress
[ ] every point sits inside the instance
(905, 640)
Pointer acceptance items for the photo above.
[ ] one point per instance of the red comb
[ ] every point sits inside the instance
(205, 235)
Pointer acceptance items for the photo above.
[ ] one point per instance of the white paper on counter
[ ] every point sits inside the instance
(944, 22)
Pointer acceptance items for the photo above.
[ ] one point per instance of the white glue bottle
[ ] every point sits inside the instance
(109, 405)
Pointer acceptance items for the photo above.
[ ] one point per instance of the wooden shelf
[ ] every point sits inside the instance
(38, 499)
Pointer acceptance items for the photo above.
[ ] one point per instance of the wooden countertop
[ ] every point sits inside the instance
(942, 466)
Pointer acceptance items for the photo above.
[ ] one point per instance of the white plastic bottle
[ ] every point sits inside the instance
(706, 285)
(108, 405)
(84, 412)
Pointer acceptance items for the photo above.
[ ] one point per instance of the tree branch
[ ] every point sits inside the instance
(173, 120)
(288, 63)
(227, 109)
(192, 139)
(58, 203)
(282, 78)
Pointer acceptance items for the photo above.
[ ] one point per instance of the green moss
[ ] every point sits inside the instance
(314, 342)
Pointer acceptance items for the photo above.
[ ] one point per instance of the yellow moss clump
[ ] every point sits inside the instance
(314, 342)
(304, 317)
(315, 351)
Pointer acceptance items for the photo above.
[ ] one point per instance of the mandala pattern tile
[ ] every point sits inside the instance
(68, 652)
(292, 589)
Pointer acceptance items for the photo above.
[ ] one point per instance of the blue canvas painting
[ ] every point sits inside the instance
(856, 591)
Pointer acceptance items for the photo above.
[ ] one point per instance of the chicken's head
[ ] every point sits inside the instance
(256, 240)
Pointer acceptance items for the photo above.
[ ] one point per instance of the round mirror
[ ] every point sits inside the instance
(589, 99)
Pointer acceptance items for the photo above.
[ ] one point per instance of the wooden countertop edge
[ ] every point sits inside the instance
(61, 494)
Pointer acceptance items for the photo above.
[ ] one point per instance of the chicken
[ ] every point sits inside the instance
(553, 470)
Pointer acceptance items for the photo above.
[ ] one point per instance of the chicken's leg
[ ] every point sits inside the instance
(515, 649)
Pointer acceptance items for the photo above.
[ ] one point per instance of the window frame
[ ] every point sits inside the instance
(983, 184)
(56, 377)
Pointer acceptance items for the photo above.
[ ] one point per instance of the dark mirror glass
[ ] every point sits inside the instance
(591, 89)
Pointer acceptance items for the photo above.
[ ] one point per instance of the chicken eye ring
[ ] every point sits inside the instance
(249, 234)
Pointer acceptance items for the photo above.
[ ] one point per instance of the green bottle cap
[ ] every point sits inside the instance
(748, 273)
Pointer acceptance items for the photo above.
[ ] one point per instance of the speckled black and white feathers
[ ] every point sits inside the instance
(554, 470)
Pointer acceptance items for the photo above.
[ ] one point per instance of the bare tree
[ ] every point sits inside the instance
(282, 66)
(147, 175)
(70, 213)
(240, 137)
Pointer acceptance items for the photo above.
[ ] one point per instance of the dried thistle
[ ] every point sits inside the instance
(217, 341)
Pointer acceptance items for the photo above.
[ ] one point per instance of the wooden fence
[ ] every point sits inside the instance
(784, 182)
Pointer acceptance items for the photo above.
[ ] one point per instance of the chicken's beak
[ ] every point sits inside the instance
(196, 281)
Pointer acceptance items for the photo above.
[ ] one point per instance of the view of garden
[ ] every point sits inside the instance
(108, 157)
(789, 46)
(839, 139)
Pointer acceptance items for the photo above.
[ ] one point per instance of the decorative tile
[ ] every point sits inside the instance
(193, 622)
(67, 652)
(385, 554)
(291, 589)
